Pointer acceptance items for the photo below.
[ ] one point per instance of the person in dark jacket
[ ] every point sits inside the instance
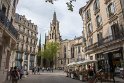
(15, 75)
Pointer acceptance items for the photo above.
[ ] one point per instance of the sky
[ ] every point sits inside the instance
(41, 14)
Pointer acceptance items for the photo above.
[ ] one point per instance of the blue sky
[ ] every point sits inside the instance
(41, 13)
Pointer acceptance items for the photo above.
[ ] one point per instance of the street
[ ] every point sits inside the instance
(48, 77)
(55, 77)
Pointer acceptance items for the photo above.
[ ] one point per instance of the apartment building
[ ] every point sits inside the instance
(8, 36)
(27, 42)
(103, 31)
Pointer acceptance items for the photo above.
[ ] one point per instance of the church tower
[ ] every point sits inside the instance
(53, 36)
(54, 33)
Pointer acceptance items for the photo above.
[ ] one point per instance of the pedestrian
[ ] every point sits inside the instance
(11, 69)
(21, 72)
(33, 70)
(38, 70)
(112, 71)
(43, 69)
(90, 72)
(15, 75)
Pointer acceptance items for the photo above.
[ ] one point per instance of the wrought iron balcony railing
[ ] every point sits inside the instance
(8, 25)
(109, 39)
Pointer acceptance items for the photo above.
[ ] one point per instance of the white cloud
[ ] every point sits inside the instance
(41, 13)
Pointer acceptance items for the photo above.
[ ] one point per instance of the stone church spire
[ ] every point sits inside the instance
(54, 18)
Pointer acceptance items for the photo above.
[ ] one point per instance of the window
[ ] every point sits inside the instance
(28, 32)
(115, 31)
(31, 41)
(14, 3)
(79, 49)
(23, 38)
(99, 37)
(72, 52)
(24, 29)
(11, 20)
(31, 33)
(52, 35)
(96, 5)
(22, 47)
(88, 16)
(64, 52)
(27, 40)
(3, 9)
(111, 9)
(89, 30)
(34, 50)
(98, 21)
(30, 49)
(25, 57)
(90, 41)
(91, 57)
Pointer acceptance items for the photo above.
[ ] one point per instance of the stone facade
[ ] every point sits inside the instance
(27, 42)
(103, 31)
(71, 51)
(8, 36)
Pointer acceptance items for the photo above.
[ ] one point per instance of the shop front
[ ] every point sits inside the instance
(111, 59)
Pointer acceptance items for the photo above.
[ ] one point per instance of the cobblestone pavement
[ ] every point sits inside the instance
(48, 77)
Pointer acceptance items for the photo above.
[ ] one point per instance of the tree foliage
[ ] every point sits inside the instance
(69, 4)
(50, 51)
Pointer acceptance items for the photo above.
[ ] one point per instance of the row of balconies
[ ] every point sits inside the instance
(107, 40)
(8, 25)
(21, 49)
(27, 42)
(27, 34)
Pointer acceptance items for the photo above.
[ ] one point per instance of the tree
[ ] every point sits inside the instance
(49, 53)
(69, 4)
